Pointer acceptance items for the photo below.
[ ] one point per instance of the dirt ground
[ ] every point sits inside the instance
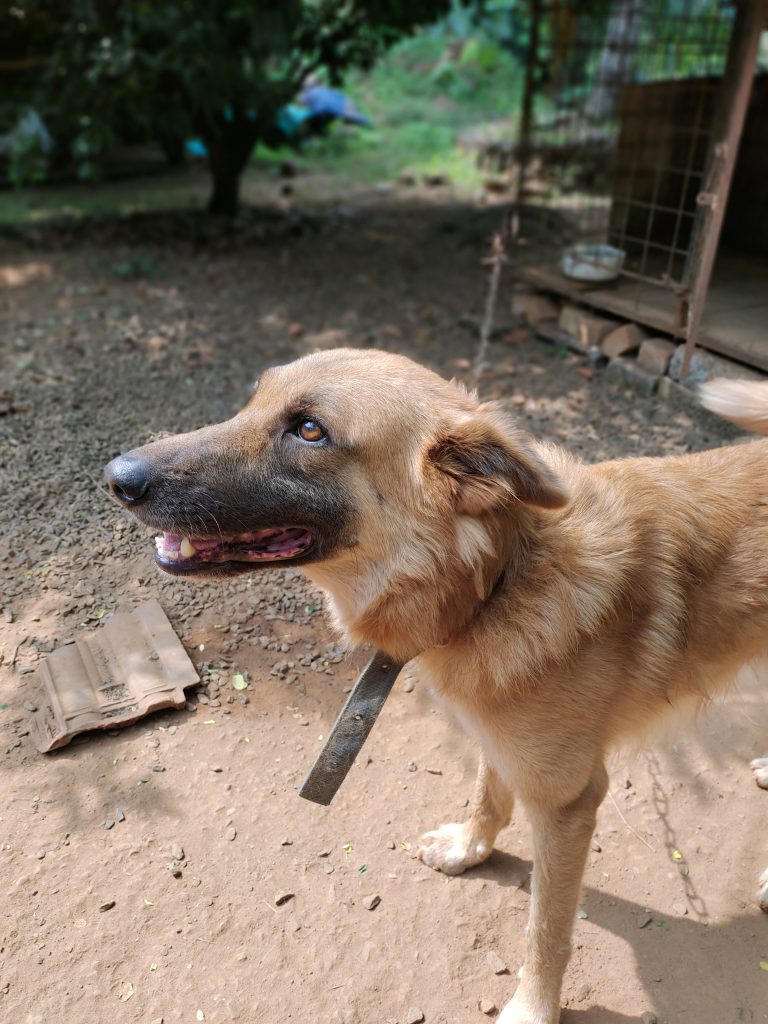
(109, 334)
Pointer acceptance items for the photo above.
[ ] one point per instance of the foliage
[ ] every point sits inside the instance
(130, 70)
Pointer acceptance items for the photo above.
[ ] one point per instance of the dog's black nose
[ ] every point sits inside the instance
(128, 478)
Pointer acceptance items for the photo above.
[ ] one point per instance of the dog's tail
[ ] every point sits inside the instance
(744, 402)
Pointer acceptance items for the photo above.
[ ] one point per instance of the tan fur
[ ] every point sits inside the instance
(642, 591)
(559, 609)
(743, 401)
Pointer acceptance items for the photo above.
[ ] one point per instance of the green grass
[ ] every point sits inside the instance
(421, 97)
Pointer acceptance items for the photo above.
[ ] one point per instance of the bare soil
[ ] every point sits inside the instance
(111, 333)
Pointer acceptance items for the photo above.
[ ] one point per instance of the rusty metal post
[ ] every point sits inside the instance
(733, 100)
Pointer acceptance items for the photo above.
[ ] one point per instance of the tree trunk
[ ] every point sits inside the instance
(225, 197)
(228, 152)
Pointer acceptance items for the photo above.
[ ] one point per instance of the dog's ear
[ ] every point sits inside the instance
(492, 463)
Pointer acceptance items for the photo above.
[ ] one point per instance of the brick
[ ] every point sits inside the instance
(656, 354)
(624, 340)
(534, 307)
(584, 327)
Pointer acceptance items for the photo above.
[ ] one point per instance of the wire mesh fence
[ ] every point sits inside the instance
(623, 103)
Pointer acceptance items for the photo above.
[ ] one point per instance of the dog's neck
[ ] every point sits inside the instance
(405, 605)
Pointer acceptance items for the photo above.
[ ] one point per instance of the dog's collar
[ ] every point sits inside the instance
(351, 729)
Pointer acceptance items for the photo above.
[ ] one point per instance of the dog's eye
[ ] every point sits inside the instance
(309, 430)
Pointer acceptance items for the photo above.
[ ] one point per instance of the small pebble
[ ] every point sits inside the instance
(216, 769)
(158, 768)
(391, 844)
(495, 962)
(119, 815)
(435, 771)
(583, 992)
(144, 777)
(108, 824)
(177, 851)
(647, 1017)
(488, 1007)
(371, 902)
(106, 906)
(283, 897)
(412, 766)
(29, 706)
(286, 842)
(408, 685)
(158, 1020)
(231, 833)
(413, 1016)
(8, 615)
(40, 854)
(643, 920)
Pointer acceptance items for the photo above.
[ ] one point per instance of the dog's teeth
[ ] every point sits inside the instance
(186, 548)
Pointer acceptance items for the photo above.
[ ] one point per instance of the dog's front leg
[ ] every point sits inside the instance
(561, 838)
(454, 847)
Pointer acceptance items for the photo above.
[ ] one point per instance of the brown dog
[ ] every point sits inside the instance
(559, 609)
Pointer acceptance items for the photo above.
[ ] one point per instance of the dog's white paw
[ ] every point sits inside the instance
(762, 892)
(516, 1012)
(760, 770)
(452, 849)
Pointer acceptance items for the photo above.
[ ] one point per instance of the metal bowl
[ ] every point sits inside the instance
(590, 262)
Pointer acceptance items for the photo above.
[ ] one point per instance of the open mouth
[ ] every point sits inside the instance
(177, 554)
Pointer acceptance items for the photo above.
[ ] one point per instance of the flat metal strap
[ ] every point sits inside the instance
(350, 730)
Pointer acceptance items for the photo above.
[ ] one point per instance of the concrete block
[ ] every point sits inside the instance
(623, 340)
(655, 355)
(706, 366)
(626, 371)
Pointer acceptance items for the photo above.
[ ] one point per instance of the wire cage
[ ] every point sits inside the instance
(626, 108)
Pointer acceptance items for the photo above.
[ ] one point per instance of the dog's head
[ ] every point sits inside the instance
(344, 458)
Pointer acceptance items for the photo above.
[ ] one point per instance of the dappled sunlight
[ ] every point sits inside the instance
(19, 274)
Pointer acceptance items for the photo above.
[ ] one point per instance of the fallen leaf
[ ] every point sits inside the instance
(676, 855)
